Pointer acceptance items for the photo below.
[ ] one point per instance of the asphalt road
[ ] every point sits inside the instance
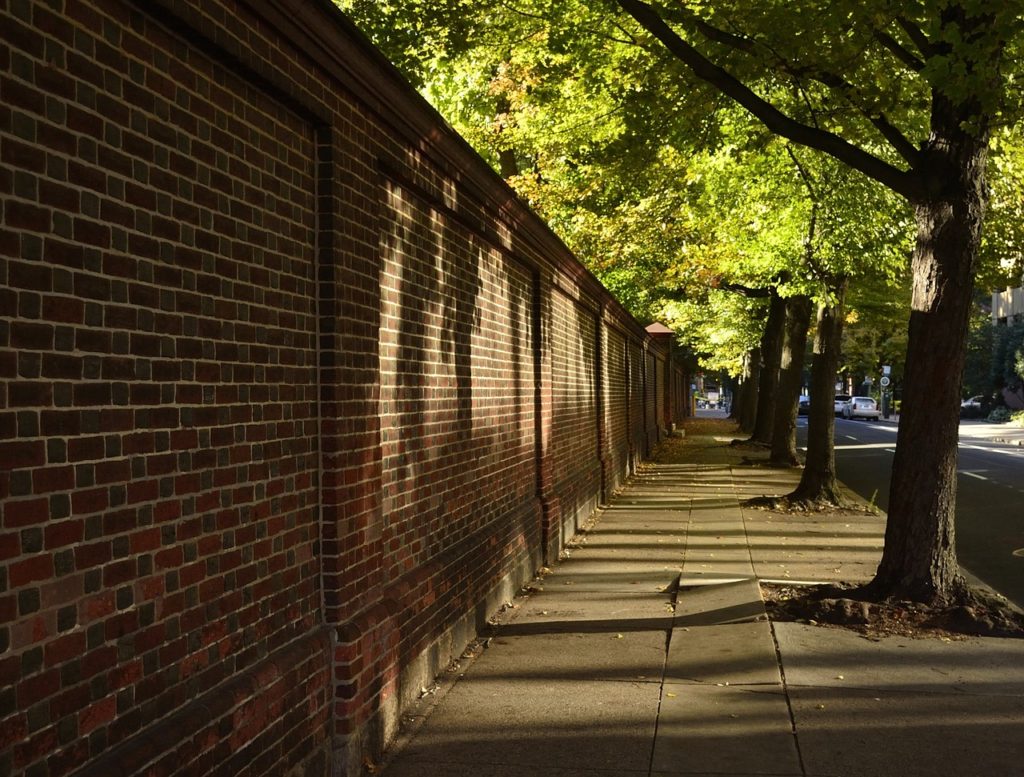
(990, 496)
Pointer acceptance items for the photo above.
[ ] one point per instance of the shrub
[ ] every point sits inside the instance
(1017, 419)
(999, 415)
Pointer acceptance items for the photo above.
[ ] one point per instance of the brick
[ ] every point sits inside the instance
(61, 533)
(64, 649)
(97, 714)
(39, 567)
(25, 512)
(31, 336)
(53, 479)
(91, 501)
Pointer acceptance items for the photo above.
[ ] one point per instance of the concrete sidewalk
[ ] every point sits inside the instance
(648, 652)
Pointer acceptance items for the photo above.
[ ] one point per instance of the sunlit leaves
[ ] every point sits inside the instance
(668, 191)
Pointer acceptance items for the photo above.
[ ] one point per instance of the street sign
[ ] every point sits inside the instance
(884, 381)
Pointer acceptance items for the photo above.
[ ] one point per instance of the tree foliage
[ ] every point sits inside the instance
(920, 97)
(1008, 356)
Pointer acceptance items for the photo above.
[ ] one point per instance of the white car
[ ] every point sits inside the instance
(861, 407)
(842, 400)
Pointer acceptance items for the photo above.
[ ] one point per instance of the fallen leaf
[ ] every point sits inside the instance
(619, 636)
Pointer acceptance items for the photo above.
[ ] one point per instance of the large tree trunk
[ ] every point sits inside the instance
(791, 370)
(818, 481)
(768, 382)
(919, 561)
(748, 390)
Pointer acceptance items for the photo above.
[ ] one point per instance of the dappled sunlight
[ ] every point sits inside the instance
(651, 641)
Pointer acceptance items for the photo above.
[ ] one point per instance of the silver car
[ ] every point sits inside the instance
(861, 407)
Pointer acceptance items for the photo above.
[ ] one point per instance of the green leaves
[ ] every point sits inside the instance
(667, 189)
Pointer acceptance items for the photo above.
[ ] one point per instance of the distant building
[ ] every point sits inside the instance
(1008, 306)
(1008, 309)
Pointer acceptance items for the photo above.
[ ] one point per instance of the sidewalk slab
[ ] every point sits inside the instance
(727, 655)
(560, 604)
(447, 769)
(619, 656)
(726, 731)
(660, 577)
(714, 604)
(979, 666)
(925, 706)
(589, 612)
(722, 638)
(539, 723)
(880, 733)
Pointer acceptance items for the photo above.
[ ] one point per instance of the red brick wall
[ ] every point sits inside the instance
(573, 441)
(295, 391)
(616, 406)
(638, 446)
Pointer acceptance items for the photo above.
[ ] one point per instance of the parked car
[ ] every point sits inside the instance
(841, 401)
(973, 407)
(803, 406)
(861, 407)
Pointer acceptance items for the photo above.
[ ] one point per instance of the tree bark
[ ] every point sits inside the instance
(791, 368)
(768, 382)
(734, 391)
(748, 390)
(919, 560)
(818, 481)
(508, 163)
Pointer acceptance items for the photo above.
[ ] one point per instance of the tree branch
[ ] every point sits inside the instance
(896, 139)
(916, 34)
(812, 226)
(746, 291)
(900, 181)
(812, 194)
(893, 47)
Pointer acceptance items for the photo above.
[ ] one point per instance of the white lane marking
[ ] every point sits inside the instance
(973, 475)
(890, 450)
(993, 450)
(849, 437)
(865, 446)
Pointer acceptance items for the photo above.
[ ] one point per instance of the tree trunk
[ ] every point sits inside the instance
(791, 369)
(919, 560)
(818, 482)
(734, 392)
(508, 163)
(748, 390)
(768, 382)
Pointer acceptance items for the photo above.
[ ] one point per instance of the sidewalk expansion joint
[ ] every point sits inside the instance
(674, 587)
(789, 701)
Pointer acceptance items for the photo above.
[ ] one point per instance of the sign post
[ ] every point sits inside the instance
(884, 382)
